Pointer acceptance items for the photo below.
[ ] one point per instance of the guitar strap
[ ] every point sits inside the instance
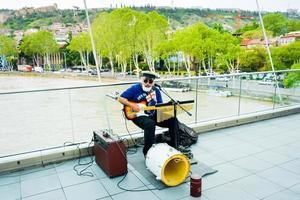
(151, 96)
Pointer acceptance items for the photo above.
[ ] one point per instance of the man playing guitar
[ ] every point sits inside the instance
(145, 91)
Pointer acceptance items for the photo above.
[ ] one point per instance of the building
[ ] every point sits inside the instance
(30, 31)
(289, 38)
(29, 10)
(5, 32)
(3, 17)
(252, 43)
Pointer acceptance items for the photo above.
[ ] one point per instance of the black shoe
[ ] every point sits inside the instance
(183, 149)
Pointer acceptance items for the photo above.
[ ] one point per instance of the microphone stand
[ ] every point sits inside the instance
(174, 103)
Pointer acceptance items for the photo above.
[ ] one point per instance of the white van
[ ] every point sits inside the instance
(38, 69)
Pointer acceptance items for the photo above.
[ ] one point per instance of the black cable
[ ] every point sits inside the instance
(89, 164)
(135, 145)
(135, 150)
(136, 190)
(126, 126)
(9, 174)
(130, 150)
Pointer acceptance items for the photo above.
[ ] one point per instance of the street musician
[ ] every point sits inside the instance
(146, 94)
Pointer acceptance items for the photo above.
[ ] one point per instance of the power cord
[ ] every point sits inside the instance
(10, 174)
(135, 190)
(130, 150)
(83, 172)
(135, 145)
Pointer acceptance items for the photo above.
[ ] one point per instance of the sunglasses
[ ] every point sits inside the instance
(148, 80)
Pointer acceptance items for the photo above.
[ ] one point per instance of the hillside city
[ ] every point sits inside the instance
(61, 30)
(243, 26)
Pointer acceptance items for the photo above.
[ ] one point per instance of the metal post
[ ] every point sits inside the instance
(92, 40)
(240, 93)
(268, 48)
(71, 116)
(274, 98)
(65, 61)
(196, 109)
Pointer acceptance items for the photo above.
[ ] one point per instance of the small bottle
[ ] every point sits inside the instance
(196, 185)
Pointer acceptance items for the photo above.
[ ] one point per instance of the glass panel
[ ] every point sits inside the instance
(217, 98)
(181, 90)
(31, 121)
(256, 93)
(44, 119)
(288, 90)
(95, 109)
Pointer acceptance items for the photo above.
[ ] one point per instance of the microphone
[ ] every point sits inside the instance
(158, 86)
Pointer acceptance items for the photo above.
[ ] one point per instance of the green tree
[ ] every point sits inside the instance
(249, 27)
(253, 60)
(256, 34)
(81, 43)
(103, 32)
(125, 34)
(293, 25)
(39, 45)
(230, 52)
(293, 78)
(190, 42)
(125, 20)
(8, 49)
(167, 50)
(279, 57)
(203, 48)
(136, 26)
(285, 56)
(219, 27)
(275, 22)
(155, 27)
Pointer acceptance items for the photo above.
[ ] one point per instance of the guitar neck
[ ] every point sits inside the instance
(150, 108)
(131, 114)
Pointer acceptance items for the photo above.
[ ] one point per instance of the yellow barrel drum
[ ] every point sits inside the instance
(167, 164)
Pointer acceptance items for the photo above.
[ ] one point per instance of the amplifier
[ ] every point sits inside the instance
(110, 153)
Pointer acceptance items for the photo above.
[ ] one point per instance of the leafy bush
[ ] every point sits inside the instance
(293, 78)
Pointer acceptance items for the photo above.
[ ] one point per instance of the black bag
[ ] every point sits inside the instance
(187, 135)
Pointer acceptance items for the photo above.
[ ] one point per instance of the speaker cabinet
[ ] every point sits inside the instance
(110, 154)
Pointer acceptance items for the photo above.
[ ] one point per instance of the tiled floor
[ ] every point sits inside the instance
(255, 161)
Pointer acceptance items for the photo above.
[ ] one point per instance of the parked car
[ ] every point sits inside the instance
(25, 68)
(224, 79)
(104, 70)
(78, 69)
(93, 72)
(269, 77)
(38, 69)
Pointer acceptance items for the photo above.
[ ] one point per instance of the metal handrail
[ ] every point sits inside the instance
(132, 82)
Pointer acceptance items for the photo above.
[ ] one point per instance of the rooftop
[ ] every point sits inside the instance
(254, 161)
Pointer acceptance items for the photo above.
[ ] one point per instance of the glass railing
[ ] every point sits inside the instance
(39, 119)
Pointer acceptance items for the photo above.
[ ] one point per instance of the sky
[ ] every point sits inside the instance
(266, 5)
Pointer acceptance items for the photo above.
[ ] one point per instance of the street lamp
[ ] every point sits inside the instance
(268, 48)
(92, 40)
